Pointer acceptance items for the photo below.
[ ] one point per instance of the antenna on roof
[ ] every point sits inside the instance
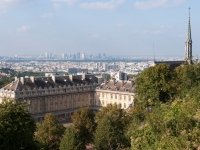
(153, 53)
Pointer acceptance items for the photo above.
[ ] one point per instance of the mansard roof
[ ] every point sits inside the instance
(47, 82)
(120, 85)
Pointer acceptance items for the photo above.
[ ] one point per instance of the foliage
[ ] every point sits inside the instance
(29, 73)
(70, 140)
(5, 80)
(107, 76)
(111, 129)
(17, 127)
(159, 83)
(153, 84)
(187, 78)
(84, 124)
(49, 133)
(170, 126)
(8, 71)
(132, 76)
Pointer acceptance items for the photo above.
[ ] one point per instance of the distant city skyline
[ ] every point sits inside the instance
(114, 27)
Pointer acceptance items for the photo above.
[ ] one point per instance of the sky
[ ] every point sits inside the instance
(114, 27)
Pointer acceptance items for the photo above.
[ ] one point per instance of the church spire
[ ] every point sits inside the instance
(188, 43)
(189, 36)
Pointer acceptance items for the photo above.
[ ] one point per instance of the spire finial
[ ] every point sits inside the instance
(189, 11)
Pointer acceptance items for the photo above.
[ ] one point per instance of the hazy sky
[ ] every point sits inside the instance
(115, 27)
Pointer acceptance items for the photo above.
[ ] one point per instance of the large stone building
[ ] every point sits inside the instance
(120, 92)
(62, 95)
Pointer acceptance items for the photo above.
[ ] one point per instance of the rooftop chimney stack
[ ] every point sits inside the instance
(71, 78)
(32, 78)
(22, 80)
(54, 78)
(83, 76)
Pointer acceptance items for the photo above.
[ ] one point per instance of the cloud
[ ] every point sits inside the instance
(23, 28)
(47, 15)
(149, 4)
(69, 2)
(15, 3)
(6, 3)
(102, 5)
(56, 6)
(95, 36)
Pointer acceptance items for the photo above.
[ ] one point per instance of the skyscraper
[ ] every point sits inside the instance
(188, 43)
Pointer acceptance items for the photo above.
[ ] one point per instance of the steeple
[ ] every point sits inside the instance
(188, 43)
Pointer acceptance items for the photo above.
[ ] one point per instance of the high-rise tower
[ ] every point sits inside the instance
(188, 43)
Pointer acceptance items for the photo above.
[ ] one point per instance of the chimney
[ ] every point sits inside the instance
(32, 78)
(22, 80)
(122, 81)
(83, 76)
(105, 81)
(71, 77)
(54, 78)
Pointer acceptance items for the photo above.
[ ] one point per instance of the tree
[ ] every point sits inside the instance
(111, 129)
(113, 109)
(107, 76)
(49, 133)
(155, 84)
(17, 127)
(173, 125)
(84, 124)
(187, 78)
(5, 80)
(70, 140)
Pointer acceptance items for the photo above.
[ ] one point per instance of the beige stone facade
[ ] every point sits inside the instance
(62, 95)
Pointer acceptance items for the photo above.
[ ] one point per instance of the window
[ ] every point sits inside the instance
(129, 98)
(124, 105)
(120, 105)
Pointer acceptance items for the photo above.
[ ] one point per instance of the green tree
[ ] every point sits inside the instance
(84, 124)
(49, 133)
(111, 129)
(5, 80)
(70, 140)
(156, 84)
(170, 126)
(107, 77)
(113, 109)
(187, 78)
(17, 127)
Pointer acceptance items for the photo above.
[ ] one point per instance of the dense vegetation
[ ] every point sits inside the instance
(166, 115)
(28, 73)
(5, 80)
(17, 127)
